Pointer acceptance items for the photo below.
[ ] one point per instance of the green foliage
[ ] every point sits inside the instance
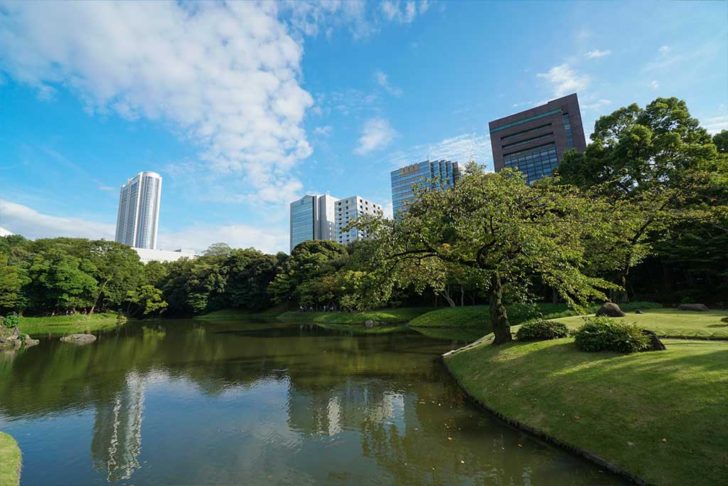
(147, 300)
(306, 278)
(721, 141)
(11, 320)
(604, 334)
(497, 230)
(541, 331)
(62, 282)
(12, 280)
(666, 186)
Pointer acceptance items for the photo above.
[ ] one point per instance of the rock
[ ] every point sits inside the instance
(638, 311)
(610, 309)
(29, 341)
(79, 339)
(371, 323)
(693, 307)
(655, 343)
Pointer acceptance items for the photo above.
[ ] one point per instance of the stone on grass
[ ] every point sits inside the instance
(693, 307)
(610, 309)
(370, 323)
(655, 343)
(79, 339)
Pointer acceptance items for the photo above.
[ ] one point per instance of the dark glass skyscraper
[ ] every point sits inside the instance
(434, 174)
(534, 141)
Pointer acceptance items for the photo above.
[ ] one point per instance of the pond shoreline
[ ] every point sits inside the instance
(540, 434)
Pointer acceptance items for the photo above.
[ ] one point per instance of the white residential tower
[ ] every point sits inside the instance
(138, 220)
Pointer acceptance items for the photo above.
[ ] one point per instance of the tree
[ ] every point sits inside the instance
(249, 273)
(721, 141)
(308, 261)
(12, 279)
(500, 231)
(660, 170)
(62, 282)
(118, 271)
(218, 250)
(147, 300)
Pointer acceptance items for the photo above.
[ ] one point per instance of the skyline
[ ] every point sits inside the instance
(328, 99)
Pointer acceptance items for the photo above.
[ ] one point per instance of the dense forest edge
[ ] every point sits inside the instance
(640, 215)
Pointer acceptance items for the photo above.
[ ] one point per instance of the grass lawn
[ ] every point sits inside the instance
(9, 461)
(61, 325)
(672, 323)
(659, 415)
(479, 315)
(385, 316)
(238, 314)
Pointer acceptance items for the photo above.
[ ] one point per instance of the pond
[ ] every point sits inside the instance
(188, 402)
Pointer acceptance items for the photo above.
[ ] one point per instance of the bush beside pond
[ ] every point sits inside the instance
(604, 334)
(541, 331)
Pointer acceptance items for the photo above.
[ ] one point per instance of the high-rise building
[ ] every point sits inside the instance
(137, 223)
(348, 210)
(325, 217)
(431, 174)
(312, 218)
(534, 141)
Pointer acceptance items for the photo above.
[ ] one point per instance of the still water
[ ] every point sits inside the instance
(186, 402)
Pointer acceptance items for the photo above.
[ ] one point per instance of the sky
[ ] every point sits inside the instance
(243, 107)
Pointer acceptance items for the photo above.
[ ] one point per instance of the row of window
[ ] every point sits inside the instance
(535, 163)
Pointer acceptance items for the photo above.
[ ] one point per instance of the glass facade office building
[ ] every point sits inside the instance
(303, 220)
(325, 218)
(430, 174)
(534, 141)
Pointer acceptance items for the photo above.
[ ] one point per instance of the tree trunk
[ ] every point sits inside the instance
(446, 295)
(462, 296)
(498, 314)
(98, 297)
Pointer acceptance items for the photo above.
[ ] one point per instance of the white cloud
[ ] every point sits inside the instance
(30, 223)
(4, 232)
(654, 84)
(596, 105)
(565, 80)
(26, 221)
(376, 134)
(224, 75)
(323, 131)
(664, 50)
(403, 11)
(199, 237)
(383, 81)
(715, 124)
(461, 148)
(596, 53)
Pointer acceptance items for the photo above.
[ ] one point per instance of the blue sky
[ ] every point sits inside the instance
(242, 107)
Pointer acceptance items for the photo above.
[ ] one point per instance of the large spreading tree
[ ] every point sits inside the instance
(497, 230)
(666, 184)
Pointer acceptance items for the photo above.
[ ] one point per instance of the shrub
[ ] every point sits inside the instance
(603, 334)
(541, 331)
(11, 320)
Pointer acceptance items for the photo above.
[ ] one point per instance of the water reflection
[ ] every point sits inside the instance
(117, 436)
(242, 403)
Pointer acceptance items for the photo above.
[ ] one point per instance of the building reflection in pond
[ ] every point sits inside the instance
(117, 439)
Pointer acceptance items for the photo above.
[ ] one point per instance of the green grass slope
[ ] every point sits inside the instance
(239, 314)
(9, 461)
(385, 316)
(659, 415)
(61, 325)
(672, 323)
